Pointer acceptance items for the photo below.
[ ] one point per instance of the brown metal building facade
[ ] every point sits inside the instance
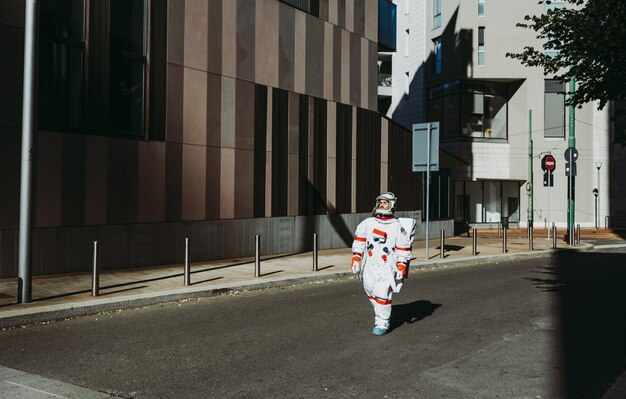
(217, 120)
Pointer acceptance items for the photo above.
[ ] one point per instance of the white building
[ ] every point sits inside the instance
(451, 66)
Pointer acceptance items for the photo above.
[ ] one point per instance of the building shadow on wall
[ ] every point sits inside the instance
(590, 294)
(318, 206)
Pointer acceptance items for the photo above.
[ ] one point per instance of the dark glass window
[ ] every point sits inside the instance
(310, 6)
(387, 26)
(61, 48)
(439, 204)
(127, 66)
(437, 61)
(471, 108)
(103, 90)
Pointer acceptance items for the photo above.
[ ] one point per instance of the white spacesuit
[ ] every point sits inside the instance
(381, 252)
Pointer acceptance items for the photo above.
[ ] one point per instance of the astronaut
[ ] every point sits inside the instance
(381, 252)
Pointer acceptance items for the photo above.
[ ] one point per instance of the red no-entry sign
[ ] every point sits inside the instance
(548, 163)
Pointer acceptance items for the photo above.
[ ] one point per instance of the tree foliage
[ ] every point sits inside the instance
(588, 42)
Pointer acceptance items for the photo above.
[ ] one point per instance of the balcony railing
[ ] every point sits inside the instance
(384, 80)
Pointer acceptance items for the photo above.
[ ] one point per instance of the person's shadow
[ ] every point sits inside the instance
(410, 312)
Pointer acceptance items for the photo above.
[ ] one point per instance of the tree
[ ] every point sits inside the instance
(586, 41)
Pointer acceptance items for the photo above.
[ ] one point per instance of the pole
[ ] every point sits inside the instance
(29, 105)
(504, 240)
(427, 185)
(442, 243)
(474, 242)
(257, 256)
(315, 268)
(95, 275)
(596, 213)
(571, 181)
(530, 168)
(549, 184)
(598, 166)
(554, 235)
(187, 279)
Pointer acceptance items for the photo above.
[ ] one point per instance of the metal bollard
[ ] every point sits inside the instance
(504, 240)
(530, 239)
(95, 276)
(474, 242)
(606, 223)
(554, 235)
(257, 256)
(499, 234)
(187, 279)
(442, 243)
(578, 234)
(315, 252)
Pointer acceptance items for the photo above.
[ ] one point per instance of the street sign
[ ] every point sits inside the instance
(571, 154)
(421, 154)
(570, 169)
(548, 163)
(548, 178)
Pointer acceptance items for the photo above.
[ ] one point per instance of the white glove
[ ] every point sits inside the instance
(399, 275)
(356, 264)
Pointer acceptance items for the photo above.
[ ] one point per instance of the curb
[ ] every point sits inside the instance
(51, 313)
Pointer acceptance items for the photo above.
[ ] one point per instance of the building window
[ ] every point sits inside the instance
(103, 90)
(387, 26)
(437, 55)
(549, 6)
(310, 6)
(554, 109)
(484, 109)
(470, 108)
(436, 13)
(481, 8)
(481, 45)
(61, 54)
(127, 66)
(439, 203)
(553, 5)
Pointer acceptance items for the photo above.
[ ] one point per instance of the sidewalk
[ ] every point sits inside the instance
(64, 296)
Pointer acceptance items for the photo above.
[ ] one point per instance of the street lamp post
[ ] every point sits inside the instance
(598, 166)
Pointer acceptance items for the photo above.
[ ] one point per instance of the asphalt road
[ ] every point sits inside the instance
(551, 328)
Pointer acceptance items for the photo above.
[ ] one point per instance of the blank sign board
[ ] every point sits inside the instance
(420, 147)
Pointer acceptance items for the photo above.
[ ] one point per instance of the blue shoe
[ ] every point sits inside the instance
(378, 331)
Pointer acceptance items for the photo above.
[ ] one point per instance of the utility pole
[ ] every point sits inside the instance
(571, 181)
(598, 166)
(530, 170)
(29, 105)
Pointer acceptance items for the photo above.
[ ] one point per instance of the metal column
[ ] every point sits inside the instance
(29, 105)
